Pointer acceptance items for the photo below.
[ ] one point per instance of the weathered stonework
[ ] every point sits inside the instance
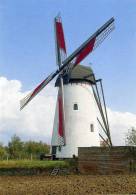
(104, 160)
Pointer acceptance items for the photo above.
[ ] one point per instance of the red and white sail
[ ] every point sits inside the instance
(60, 56)
(60, 41)
(61, 119)
(32, 94)
(89, 45)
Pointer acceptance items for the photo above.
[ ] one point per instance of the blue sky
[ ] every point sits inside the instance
(27, 43)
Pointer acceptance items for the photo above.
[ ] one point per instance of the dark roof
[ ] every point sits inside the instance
(79, 74)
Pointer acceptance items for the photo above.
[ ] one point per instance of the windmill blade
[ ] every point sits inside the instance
(61, 119)
(61, 125)
(32, 94)
(60, 56)
(89, 45)
(60, 41)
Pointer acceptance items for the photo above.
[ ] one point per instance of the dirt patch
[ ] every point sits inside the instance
(68, 185)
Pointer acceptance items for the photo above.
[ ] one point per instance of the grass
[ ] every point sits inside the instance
(31, 167)
(32, 164)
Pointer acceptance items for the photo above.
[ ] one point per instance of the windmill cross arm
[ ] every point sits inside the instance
(74, 59)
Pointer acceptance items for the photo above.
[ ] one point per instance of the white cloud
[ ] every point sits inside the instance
(36, 120)
(120, 122)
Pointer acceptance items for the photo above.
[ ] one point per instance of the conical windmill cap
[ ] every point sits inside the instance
(79, 74)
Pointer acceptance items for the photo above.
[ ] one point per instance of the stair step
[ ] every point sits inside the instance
(55, 171)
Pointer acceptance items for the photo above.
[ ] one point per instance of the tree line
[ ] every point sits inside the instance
(18, 149)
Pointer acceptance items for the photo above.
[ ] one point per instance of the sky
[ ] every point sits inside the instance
(27, 56)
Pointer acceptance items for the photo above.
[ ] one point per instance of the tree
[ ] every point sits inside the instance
(33, 148)
(15, 147)
(131, 137)
(3, 152)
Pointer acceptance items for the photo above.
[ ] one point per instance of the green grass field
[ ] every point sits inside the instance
(32, 164)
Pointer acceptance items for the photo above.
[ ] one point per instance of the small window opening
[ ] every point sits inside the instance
(75, 107)
(92, 128)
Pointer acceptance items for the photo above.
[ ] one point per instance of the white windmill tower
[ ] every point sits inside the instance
(76, 117)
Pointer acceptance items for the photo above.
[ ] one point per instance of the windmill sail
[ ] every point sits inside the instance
(32, 94)
(61, 120)
(60, 56)
(60, 41)
(75, 58)
(89, 45)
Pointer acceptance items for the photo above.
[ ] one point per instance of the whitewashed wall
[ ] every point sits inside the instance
(77, 122)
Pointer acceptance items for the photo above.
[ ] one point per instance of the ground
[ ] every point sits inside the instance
(67, 185)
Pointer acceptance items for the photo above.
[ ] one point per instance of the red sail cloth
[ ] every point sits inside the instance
(38, 88)
(61, 125)
(60, 36)
(88, 48)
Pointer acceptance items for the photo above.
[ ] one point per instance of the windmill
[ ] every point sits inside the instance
(79, 104)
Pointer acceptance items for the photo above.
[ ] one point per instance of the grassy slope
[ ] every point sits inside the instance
(32, 164)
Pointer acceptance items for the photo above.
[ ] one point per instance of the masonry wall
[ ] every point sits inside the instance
(104, 160)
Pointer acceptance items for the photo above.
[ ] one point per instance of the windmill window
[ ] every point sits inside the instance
(91, 127)
(75, 107)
